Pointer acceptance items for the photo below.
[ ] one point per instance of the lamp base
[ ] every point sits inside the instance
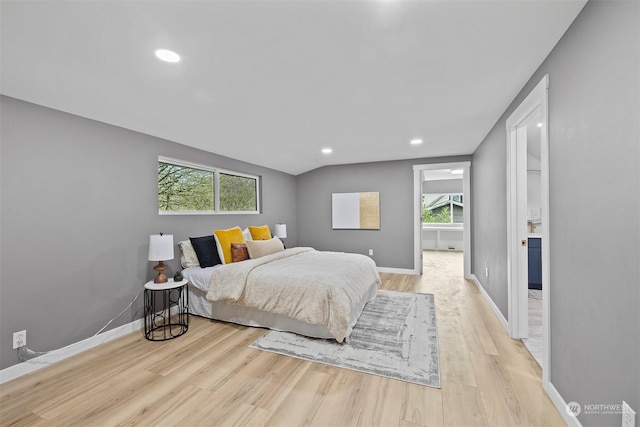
(160, 268)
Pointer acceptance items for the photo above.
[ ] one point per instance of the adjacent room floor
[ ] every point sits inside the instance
(534, 341)
(210, 376)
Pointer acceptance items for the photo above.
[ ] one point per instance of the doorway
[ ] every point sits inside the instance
(532, 130)
(528, 220)
(418, 175)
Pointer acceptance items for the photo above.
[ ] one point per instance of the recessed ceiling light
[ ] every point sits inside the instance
(167, 55)
(416, 141)
(457, 171)
(327, 150)
(540, 124)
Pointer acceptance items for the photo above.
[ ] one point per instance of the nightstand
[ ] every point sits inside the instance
(166, 310)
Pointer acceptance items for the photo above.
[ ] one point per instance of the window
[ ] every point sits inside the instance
(187, 188)
(238, 193)
(442, 209)
(184, 189)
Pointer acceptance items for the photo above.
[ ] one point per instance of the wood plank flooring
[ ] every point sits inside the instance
(210, 377)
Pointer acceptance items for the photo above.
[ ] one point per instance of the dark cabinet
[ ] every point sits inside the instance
(535, 263)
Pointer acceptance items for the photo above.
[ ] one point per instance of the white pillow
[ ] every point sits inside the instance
(247, 234)
(188, 257)
(260, 248)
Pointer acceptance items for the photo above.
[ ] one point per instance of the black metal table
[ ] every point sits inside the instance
(166, 310)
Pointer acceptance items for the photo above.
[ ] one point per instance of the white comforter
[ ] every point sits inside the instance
(302, 283)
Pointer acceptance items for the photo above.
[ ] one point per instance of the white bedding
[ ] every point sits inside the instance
(200, 277)
(323, 292)
(199, 305)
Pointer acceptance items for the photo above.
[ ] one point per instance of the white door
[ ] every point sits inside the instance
(517, 235)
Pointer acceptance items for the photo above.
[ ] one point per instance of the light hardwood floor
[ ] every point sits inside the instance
(210, 377)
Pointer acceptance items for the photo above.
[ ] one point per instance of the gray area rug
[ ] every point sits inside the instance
(395, 337)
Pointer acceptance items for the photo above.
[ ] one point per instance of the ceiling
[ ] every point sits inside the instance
(274, 82)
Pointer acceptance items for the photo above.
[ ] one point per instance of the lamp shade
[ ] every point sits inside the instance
(160, 247)
(281, 231)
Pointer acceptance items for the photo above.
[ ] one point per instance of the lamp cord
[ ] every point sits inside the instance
(120, 314)
(25, 353)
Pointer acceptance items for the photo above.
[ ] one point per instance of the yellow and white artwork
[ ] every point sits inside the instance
(356, 211)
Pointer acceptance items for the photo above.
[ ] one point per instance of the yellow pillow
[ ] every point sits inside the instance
(260, 233)
(224, 239)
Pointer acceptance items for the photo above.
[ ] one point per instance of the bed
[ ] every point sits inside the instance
(301, 290)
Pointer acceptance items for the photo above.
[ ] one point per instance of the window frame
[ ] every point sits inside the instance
(216, 188)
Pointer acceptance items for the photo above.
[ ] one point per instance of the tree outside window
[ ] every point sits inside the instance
(183, 188)
(238, 193)
(442, 209)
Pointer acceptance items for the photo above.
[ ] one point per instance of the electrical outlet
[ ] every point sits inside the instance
(486, 272)
(628, 415)
(370, 252)
(19, 339)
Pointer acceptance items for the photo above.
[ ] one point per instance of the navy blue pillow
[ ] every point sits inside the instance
(206, 250)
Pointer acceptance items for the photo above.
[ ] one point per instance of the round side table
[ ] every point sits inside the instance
(166, 310)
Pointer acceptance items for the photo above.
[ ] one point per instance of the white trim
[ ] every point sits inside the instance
(58, 355)
(537, 99)
(398, 271)
(417, 208)
(417, 219)
(546, 237)
(466, 213)
(492, 305)
(186, 164)
(208, 213)
(560, 405)
(440, 227)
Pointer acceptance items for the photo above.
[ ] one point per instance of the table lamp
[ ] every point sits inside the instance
(160, 249)
(281, 231)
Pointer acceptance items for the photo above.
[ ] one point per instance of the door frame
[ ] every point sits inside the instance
(517, 220)
(417, 212)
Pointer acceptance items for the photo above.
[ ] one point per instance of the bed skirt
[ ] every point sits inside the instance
(199, 305)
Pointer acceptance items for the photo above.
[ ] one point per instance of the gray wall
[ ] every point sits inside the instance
(489, 215)
(393, 244)
(78, 203)
(594, 105)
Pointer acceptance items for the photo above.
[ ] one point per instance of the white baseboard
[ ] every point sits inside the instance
(398, 270)
(54, 356)
(560, 405)
(493, 306)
